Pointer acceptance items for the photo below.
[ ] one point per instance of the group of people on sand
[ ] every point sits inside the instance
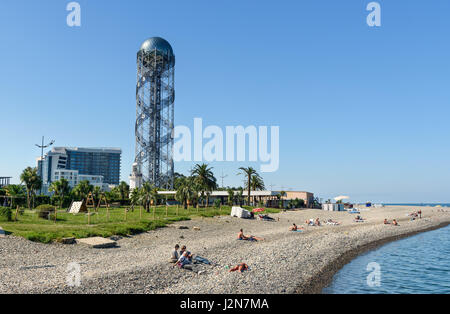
(182, 258)
(394, 222)
(415, 215)
(313, 222)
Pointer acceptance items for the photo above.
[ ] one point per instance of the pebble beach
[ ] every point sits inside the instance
(285, 262)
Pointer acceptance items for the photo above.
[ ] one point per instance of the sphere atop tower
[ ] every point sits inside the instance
(157, 43)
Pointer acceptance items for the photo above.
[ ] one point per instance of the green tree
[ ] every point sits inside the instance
(135, 197)
(230, 197)
(82, 189)
(14, 191)
(184, 192)
(124, 190)
(60, 188)
(146, 195)
(32, 183)
(249, 172)
(204, 178)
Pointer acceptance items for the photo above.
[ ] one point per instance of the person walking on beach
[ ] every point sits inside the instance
(420, 213)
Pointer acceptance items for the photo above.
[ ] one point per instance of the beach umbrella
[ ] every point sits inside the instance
(341, 197)
(257, 210)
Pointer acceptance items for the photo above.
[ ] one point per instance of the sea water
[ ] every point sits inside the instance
(417, 264)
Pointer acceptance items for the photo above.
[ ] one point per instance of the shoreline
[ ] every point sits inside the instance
(284, 263)
(325, 276)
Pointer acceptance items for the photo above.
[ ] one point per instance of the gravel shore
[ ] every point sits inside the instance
(285, 262)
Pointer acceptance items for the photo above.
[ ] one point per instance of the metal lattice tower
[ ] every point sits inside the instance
(155, 95)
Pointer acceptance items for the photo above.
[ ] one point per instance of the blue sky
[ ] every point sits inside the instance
(362, 111)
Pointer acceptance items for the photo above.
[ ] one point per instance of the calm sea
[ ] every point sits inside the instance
(418, 264)
(418, 204)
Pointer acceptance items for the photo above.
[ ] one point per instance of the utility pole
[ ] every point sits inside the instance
(222, 177)
(42, 146)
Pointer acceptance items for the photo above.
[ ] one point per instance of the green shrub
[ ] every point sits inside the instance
(5, 212)
(45, 210)
(217, 203)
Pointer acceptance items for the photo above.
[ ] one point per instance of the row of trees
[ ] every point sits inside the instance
(194, 189)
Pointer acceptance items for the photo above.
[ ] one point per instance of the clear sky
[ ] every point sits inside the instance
(362, 111)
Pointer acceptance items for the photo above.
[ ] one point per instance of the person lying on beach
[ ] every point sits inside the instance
(310, 222)
(175, 256)
(386, 222)
(183, 260)
(332, 222)
(294, 227)
(394, 222)
(240, 267)
(241, 236)
(359, 219)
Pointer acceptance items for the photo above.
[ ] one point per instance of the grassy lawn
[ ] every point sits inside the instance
(31, 227)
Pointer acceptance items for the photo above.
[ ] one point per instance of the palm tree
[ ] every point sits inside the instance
(184, 192)
(148, 193)
(82, 189)
(124, 190)
(14, 191)
(32, 182)
(205, 179)
(230, 197)
(135, 197)
(97, 193)
(249, 172)
(60, 188)
(256, 184)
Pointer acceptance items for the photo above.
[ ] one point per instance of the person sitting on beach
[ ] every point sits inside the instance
(386, 222)
(241, 236)
(359, 219)
(394, 222)
(317, 223)
(183, 260)
(240, 267)
(175, 256)
(183, 250)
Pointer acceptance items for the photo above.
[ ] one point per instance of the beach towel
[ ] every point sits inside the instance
(297, 230)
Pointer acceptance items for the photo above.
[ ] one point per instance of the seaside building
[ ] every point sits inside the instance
(4, 181)
(268, 198)
(99, 166)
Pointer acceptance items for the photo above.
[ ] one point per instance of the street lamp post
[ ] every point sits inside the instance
(42, 146)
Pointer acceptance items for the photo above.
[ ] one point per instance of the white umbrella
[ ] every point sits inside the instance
(341, 197)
